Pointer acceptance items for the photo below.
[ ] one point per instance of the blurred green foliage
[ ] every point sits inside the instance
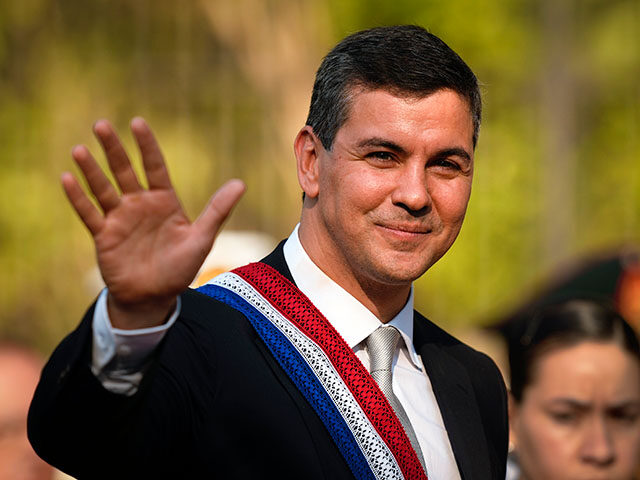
(226, 84)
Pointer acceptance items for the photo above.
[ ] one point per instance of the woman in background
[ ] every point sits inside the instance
(575, 395)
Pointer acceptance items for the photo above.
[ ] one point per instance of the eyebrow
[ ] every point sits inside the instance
(572, 402)
(394, 147)
(381, 142)
(454, 152)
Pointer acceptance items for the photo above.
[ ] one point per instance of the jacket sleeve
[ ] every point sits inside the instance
(87, 431)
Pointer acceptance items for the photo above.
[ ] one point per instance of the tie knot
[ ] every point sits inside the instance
(382, 346)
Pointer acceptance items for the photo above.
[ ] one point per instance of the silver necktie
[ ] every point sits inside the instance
(382, 345)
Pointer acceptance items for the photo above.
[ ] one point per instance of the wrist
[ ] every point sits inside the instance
(133, 316)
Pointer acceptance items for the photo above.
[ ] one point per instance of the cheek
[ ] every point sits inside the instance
(450, 199)
(628, 450)
(543, 449)
(363, 189)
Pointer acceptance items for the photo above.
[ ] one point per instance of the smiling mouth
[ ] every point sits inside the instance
(409, 229)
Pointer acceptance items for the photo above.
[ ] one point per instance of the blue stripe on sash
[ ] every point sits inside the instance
(302, 376)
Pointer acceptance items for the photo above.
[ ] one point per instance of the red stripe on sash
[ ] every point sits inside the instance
(296, 307)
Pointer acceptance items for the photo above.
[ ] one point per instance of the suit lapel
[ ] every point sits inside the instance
(276, 260)
(458, 406)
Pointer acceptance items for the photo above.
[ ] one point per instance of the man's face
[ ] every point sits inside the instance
(393, 190)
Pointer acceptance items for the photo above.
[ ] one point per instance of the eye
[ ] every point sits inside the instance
(625, 415)
(564, 417)
(446, 163)
(381, 157)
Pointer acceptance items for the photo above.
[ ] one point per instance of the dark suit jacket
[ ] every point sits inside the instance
(214, 403)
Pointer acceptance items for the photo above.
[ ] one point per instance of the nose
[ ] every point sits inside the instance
(597, 446)
(411, 192)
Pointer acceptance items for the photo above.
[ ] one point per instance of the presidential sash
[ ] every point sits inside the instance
(325, 370)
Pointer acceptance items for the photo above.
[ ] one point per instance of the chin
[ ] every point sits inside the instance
(406, 267)
(399, 274)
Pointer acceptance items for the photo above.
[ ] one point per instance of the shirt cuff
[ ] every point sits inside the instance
(120, 355)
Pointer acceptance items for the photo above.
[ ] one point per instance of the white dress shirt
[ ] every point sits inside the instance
(118, 352)
(354, 322)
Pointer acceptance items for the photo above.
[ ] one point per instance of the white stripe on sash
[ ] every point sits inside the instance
(375, 450)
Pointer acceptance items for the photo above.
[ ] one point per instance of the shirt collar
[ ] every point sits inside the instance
(353, 321)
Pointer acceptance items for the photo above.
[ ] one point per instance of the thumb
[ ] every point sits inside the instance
(219, 207)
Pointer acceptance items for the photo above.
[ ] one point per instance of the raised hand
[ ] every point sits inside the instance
(147, 249)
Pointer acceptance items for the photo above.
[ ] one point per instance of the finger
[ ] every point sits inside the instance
(219, 207)
(87, 212)
(152, 159)
(117, 157)
(100, 186)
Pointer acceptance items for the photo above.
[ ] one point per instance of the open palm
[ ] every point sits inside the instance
(147, 249)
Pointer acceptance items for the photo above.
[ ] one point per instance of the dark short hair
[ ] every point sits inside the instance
(562, 325)
(405, 60)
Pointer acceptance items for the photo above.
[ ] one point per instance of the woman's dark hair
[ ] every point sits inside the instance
(563, 325)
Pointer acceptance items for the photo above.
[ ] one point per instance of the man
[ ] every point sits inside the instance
(264, 372)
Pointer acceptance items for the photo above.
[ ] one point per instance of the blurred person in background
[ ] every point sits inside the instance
(574, 406)
(19, 374)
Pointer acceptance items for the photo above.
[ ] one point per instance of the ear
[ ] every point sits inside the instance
(307, 148)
